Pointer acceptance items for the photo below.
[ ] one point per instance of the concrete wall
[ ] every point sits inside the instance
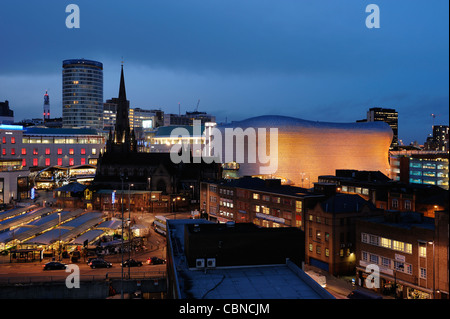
(87, 290)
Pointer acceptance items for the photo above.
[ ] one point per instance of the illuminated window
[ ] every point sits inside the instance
(398, 245)
(298, 206)
(60, 161)
(94, 151)
(59, 151)
(83, 161)
(71, 161)
(386, 243)
(255, 196)
(24, 151)
(423, 251)
(47, 151)
(4, 140)
(83, 151)
(13, 140)
(24, 162)
(408, 248)
(35, 162)
(35, 151)
(318, 234)
(47, 162)
(71, 151)
(4, 151)
(13, 151)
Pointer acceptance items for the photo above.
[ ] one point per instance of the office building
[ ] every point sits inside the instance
(385, 193)
(82, 94)
(439, 141)
(389, 116)
(421, 167)
(410, 252)
(188, 118)
(330, 232)
(39, 147)
(265, 203)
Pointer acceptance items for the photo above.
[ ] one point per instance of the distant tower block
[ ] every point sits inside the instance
(46, 106)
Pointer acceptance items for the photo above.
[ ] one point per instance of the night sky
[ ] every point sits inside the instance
(314, 60)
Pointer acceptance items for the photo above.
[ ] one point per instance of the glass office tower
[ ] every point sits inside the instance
(82, 94)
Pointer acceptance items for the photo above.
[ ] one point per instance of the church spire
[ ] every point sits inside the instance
(122, 92)
(121, 141)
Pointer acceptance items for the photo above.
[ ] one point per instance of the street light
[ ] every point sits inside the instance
(129, 227)
(59, 240)
(432, 243)
(121, 282)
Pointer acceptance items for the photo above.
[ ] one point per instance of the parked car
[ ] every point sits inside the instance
(91, 259)
(100, 263)
(131, 263)
(155, 261)
(54, 265)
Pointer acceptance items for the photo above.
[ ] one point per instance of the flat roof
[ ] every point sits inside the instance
(47, 131)
(280, 281)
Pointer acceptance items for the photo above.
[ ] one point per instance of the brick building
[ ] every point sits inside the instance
(410, 251)
(330, 232)
(265, 203)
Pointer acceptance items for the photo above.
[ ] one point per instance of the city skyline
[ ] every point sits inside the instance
(239, 59)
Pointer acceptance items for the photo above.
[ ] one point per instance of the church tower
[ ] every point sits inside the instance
(123, 139)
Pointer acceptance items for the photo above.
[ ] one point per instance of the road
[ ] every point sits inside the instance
(33, 271)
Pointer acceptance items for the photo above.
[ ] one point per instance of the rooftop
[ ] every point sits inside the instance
(46, 131)
(405, 220)
(277, 281)
(268, 185)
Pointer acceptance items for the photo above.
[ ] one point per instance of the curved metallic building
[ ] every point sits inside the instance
(308, 149)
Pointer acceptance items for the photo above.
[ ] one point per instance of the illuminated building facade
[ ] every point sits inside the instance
(265, 203)
(307, 149)
(82, 94)
(410, 251)
(40, 147)
(421, 167)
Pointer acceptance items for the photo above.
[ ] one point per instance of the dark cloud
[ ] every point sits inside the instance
(311, 59)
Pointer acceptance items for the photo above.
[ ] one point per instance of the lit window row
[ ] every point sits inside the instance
(386, 243)
(47, 162)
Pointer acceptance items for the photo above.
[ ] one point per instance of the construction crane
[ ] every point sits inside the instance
(196, 108)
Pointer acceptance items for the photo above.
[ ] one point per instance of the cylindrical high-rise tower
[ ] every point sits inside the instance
(82, 94)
